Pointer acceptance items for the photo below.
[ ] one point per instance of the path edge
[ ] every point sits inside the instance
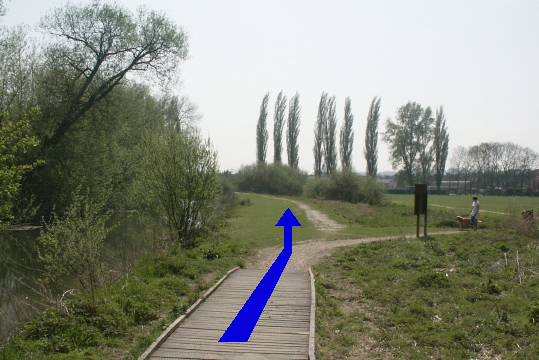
(165, 334)
(312, 326)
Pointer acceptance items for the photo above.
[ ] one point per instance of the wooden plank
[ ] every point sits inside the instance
(312, 326)
(282, 332)
(178, 321)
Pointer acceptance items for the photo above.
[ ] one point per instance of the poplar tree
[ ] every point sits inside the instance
(347, 137)
(330, 152)
(441, 146)
(292, 134)
(262, 131)
(319, 131)
(278, 125)
(371, 137)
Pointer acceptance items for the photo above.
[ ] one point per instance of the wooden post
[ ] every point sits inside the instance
(420, 205)
(425, 225)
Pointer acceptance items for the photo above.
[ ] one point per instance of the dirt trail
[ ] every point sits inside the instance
(308, 253)
(320, 220)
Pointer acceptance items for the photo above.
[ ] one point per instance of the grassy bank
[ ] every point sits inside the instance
(447, 297)
(127, 315)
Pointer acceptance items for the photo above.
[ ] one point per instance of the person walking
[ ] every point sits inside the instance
(474, 215)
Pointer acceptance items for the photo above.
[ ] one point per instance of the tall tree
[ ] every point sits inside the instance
(424, 137)
(292, 133)
(403, 139)
(441, 145)
(262, 131)
(278, 125)
(347, 136)
(94, 47)
(371, 137)
(330, 128)
(319, 132)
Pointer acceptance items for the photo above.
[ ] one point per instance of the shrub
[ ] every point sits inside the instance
(345, 186)
(73, 245)
(433, 279)
(274, 179)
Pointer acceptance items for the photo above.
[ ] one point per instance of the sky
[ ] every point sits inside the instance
(479, 59)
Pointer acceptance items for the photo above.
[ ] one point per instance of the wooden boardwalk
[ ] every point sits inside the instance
(284, 330)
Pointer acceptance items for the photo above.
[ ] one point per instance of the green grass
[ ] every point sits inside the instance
(447, 297)
(390, 219)
(252, 221)
(464, 202)
(128, 314)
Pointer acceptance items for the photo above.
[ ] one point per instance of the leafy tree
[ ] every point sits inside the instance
(262, 131)
(17, 143)
(330, 152)
(73, 244)
(180, 175)
(95, 46)
(441, 145)
(347, 137)
(319, 132)
(403, 137)
(179, 113)
(278, 125)
(292, 134)
(425, 136)
(371, 137)
(18, 65)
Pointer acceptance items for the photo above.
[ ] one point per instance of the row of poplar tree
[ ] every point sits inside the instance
(325, 143)
(418, 139)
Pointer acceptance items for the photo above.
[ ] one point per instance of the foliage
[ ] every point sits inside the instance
(371, 137)
(94, 47)
(292, 133)
(17, 142)
(262, 131)
(180, 175)
(347, 137)
(345, 186)
(72, 245)
(410, 141)
(498, 167)
(440, 145)
(278, 126)
(330, 143)
(462, 300)
(271, 179)
(318, 150)
(128, 314)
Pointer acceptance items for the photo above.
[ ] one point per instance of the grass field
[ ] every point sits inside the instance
(450, 297)
(392, 218)
(463, 203)
(252, 221)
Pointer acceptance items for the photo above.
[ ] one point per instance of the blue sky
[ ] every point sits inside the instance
(479, 59)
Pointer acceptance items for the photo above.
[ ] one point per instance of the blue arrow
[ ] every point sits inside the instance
(242, 326)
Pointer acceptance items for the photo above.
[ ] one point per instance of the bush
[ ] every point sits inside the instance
(345, 187)
(271, 179)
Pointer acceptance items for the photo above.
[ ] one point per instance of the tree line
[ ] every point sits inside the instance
(494, 167)
(90, 126)
(418, 139)
(325, 135)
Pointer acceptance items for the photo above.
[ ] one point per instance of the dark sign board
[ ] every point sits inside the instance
(420, 207)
